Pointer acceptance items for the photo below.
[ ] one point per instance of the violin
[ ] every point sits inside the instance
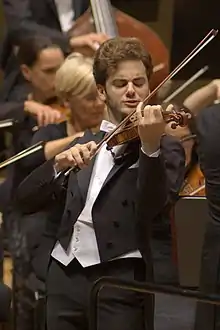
(194, 184)
(55, 104)
(65, 112)
(127, 129)
(130, 131)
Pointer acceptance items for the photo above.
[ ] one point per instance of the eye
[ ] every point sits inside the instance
(50, 71)
(119, 83)
(139, 82)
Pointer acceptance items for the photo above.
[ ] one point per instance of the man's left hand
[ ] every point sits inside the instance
(151, 126)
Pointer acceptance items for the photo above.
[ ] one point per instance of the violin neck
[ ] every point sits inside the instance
(103, 16)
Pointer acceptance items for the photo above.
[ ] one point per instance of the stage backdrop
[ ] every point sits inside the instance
(192, 19)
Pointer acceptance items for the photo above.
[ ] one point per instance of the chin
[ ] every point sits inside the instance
(126, 111)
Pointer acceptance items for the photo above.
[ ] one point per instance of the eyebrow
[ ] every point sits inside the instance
(126, 79)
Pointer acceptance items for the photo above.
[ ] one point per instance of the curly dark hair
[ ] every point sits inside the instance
(115, 50)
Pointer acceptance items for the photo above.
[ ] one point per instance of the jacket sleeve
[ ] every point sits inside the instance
(160, 179)
(208, 125)
(40, 188)
(20, 24)
(174, 161)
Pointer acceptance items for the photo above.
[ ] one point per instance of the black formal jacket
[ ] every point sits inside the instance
(5, 302)
(123, 212)
(208, 133)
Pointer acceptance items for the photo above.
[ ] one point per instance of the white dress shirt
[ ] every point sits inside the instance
(65, 13)
(83, 245)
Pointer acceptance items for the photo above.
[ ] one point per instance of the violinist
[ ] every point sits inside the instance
(203, 97)
(75, 86)
(106, 210)
(50, 18)
(74, 83)
(39, 59)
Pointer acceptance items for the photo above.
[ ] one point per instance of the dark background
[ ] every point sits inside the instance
(192, 20)
(143, 10)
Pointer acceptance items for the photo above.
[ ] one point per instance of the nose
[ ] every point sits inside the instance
(130, 89)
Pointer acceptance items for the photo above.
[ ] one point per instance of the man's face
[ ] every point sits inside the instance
(42, 74)
(125, 88)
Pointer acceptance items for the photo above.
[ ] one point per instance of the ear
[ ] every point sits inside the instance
(26, 72)
(102, 93)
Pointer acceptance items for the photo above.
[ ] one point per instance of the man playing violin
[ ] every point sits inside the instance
(105, 211)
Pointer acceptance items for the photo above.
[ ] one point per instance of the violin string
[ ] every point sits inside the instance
(194, 192)
(186, 60)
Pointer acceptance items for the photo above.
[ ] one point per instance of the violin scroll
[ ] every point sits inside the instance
(177, 118)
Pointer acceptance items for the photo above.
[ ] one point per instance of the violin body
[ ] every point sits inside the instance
(128, 134)
(130, 27)
(64, 111)
(195, 179)
(129, 131)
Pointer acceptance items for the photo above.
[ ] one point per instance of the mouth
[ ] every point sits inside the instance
(131, 104)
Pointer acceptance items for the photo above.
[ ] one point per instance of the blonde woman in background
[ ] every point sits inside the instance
(75, 86)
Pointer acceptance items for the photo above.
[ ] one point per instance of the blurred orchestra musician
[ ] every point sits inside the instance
(75, 85)
(50, 18)
(39, 60)
(194, 103)
(208, 126)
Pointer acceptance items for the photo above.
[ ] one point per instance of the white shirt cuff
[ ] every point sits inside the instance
(154, 154)
(55, 173)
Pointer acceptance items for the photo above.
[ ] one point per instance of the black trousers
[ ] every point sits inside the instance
(68, 292)
(208, 315)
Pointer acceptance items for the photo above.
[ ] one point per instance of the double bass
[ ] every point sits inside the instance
(101, 17)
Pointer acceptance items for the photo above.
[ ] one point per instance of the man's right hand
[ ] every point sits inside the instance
(79, 155)
(44, 114)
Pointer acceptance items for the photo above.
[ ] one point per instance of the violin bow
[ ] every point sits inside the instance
(204, 42)
(24, 153)
(186, 84)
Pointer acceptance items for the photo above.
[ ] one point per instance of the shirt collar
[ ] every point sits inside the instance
(107, 126)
